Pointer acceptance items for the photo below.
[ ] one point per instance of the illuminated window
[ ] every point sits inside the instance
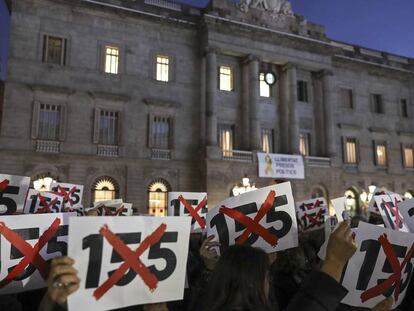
(105, 188)
(54, 50)
(264, 87)
(226, 134)
(111, 59)
(108, 127)
(351, 150)
(302, 89)
(43, 182)
(267, 140)
(49, 122)
(304, 144)
(408, 156)
(162, 68)
(226, 78)
(158, 197)
(381, 154)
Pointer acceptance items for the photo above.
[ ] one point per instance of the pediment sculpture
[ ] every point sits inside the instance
(275, 7)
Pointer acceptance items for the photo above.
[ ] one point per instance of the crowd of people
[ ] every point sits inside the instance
(243, 278)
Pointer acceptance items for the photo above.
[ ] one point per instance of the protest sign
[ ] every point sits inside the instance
(341, 212)
(263, 218)
(13, 191)
(193, 204)
(382, 266)
(72, 194)
(406, 208)
(27, 243)
(124, 261)
(40, 202)
(372, 205)
(388, 207)
(281, 166)
(113, 208)
(311, 213)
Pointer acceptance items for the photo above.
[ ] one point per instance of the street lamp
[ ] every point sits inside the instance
(245, 187)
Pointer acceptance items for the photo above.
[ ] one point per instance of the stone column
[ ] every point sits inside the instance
(328, 103)
(319, 114)
(245, 113)
(202, 125)
(211, 94)
(291, 91)
(255, 135)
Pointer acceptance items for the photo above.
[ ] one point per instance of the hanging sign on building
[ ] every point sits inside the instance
(192, 204)
(281, 166)
(263, 218)
(125, 261)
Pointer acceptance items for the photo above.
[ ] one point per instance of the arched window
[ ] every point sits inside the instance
(105, 188)
(351, 201)
(42, 182)
(318, 192)
(157, 197)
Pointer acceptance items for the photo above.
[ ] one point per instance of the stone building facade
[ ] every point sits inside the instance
(148, 96)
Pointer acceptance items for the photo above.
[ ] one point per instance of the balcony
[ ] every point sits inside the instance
(108, 150)
(238, 155)
(161, 154)
(48, 146)
(318, 162)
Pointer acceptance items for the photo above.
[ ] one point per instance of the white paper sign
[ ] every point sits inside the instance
(381, 256)
(108, 253)
(389, 208)
(71, 193)
(311, 213)
(372, 205)
(193, 204)
(40, 202)
(13, 191)
(18, 236)
(263, 218)
(114, 208)
(281, 166)
(406, 209)
(341, 211)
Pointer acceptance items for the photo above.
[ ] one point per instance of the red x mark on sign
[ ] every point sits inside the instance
(194, 211)
(315, 219)
(131, 259)
(394, 211)
(397, 269)
(117, 212)
(4, 184)
(252, 225)
(31, 254)
(46, 206)
(66, 195)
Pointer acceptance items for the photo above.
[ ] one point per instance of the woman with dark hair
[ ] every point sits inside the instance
(239, 281)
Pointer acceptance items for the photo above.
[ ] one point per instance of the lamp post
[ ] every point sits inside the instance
(244, 187)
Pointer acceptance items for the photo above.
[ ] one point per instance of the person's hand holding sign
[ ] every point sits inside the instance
(341, 247)
(208, 252)
(62, 280)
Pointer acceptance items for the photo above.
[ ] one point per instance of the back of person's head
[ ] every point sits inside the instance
(238, 281)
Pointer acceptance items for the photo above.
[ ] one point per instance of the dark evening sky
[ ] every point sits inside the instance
(385, 25)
